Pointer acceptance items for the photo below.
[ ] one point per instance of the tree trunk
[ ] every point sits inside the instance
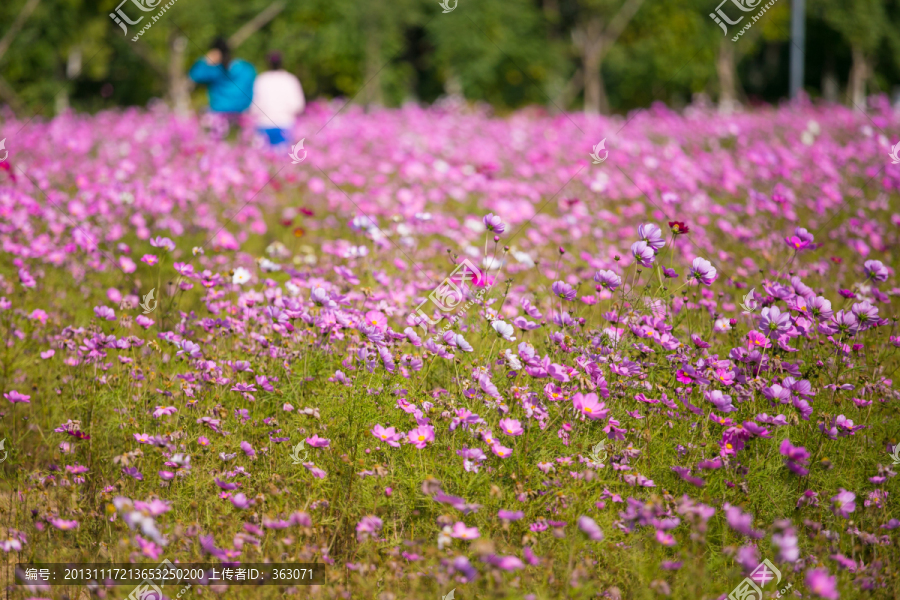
(590, 41)
(859, 74)
(374, 94)
(727, 78)
(179, 84)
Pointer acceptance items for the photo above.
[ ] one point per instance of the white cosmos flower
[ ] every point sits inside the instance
(512, 360)
(504, 330)
(462, 344)
(241, 276)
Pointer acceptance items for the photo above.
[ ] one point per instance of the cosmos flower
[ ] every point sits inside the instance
(651, 235)
(607, 280)
(563, 290)
(823, 585)
(643, 254)
(702, 271)
(511, 427)
(421, 436)
(504, 330)
(388, 435)
(876, 271)
(843, 503)
(241, 276)
(493, 223)
(590, 406)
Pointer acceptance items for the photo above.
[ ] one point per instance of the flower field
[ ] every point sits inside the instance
(442, 352)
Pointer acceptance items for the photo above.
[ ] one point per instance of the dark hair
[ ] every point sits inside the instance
(221, 44)
(275, 60)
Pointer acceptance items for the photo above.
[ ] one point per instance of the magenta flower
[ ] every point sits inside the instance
(822, 584)
(421, 436)
(875, 270)
(501, 451)
(317, 442)
(511, 427)
(563, 290)
(607, 280)
(590, 406)
(643, 254)
(16, 398)
(368, 526)
(843, 503)
(590, 528)
(493, 223)
(63, 524)
(376, 319)
(652, 235)
(703, 271)
(774, 322)
(795, 457)
(510, 515)
(105, 312)
(461, 532)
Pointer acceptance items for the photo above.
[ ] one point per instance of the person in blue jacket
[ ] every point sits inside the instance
(229, 82)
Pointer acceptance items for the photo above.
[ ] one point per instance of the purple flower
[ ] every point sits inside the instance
(133, 472)
(248, 449)
(843, 503)
(795, 457)
(607, 280)
(774, 322)
(643, 254)
(563, 290)
(875, 270)
(703, 271)
(652, 235)
(493, 223)
(510, 515)
(590, 528)
(822, 584)
(317, 442)
(240, 501)
(368, 526)
(740, 521)
(15, 397)
(105, 312)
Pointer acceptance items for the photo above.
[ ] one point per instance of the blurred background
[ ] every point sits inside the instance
(606, 56)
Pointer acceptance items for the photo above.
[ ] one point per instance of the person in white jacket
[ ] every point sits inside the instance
(277, 100)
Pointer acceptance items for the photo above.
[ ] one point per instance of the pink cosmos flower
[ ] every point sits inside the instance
(501, 451)
(150, 259)
(461, 532)
(316, 442)
(590, 406)
(421, 436)
(388, 435)
(511, 427)
(15, 397)
(376, 319)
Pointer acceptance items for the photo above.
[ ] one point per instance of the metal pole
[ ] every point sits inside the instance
(798, 44)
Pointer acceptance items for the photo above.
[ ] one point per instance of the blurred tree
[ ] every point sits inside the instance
(864, 25)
